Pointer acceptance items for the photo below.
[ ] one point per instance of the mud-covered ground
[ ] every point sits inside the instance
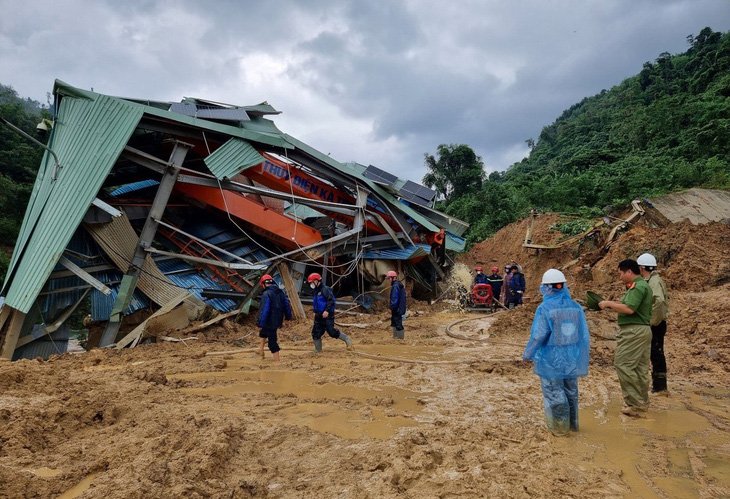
(430, 416)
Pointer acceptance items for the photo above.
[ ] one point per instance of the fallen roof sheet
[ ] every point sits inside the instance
(88, 142)
(699, 206)
(408, 252)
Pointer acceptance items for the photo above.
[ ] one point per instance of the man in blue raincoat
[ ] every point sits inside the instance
(559, 347)
(397, 304)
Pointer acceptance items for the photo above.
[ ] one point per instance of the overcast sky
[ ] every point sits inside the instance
(377, 82)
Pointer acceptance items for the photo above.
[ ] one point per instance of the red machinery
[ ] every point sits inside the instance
(481, 295)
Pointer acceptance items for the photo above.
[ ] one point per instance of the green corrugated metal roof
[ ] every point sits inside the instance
(232, 157)
(203, 124)
(88, 137)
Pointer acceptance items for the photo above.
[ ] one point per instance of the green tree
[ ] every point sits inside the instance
(454, 172)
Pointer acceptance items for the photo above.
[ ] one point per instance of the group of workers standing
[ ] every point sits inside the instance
(559, 342)
(275, 307)
(508, 288)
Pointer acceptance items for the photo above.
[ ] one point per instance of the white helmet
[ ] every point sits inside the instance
(646, 260)
(553, 276)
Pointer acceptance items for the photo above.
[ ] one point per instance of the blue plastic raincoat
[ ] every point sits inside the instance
(559, 341)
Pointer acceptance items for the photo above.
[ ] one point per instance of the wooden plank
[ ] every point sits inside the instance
(137, 332)
(53, 327)
(84, 276)
(214, 320)
(11, 328)
(297, 309)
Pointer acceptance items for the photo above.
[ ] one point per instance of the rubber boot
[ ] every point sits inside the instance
(400, 334)
(395, 333)
(346, 339)
(317, 346)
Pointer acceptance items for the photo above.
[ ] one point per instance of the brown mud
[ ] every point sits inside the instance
(457, 418)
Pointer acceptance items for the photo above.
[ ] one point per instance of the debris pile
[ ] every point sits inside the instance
(178, 208)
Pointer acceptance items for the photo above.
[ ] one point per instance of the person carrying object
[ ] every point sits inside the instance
(559, 347)
(633, 342)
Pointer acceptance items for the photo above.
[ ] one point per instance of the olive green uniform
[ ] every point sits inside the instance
(658, 325)
(634, 345)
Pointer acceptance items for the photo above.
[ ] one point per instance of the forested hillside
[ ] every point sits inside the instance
(19, 160)
(665, 129)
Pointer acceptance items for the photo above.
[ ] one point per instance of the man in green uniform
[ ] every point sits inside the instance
(658, 322)
(633, 346)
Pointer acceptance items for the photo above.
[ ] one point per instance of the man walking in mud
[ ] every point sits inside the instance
(323, 302)
(559, 346)
(633, 343)
(274, 308)
(658, 322)
(397, 304)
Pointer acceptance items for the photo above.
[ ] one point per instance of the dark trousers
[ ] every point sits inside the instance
(658, 361)
(513, 300)
(271, 335)
(396, 320)
(324, 325)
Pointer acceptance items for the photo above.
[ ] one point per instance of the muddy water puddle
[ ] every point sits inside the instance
(328, 417)
(46, 472)
(79, 488)
(672, 436)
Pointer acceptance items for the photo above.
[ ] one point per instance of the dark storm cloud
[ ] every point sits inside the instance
(376, 82)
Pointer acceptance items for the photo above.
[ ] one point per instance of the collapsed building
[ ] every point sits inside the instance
(179, 208)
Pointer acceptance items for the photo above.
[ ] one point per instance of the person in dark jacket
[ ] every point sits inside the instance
(397, 304)
(323, 302)
(516, 287)
(480, 277)
(495, 280)
(274, 308)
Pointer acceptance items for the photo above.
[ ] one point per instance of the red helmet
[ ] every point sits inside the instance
(478, 269)
(264, 278)
(391, 273)
(314, 277)
(495, 269)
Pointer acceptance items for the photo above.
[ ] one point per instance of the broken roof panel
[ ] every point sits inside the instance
(231, 158)
(408, 252)
(209, 112)
(88, 137)
(699, 206)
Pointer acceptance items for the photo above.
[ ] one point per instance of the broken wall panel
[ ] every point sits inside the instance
(87, 142)
(119, 240)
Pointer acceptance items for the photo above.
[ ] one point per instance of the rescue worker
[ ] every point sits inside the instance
(516, 287)
(495, 280)
(323, 302)
(505, 283)
(274, 308)
(658, 321)
(480, 278)
(633, 343)
(559, 346)
(397, 304)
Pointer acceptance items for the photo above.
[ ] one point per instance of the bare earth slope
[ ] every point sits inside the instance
(451, 418)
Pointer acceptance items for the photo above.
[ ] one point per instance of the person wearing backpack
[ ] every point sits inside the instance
(323, 302)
